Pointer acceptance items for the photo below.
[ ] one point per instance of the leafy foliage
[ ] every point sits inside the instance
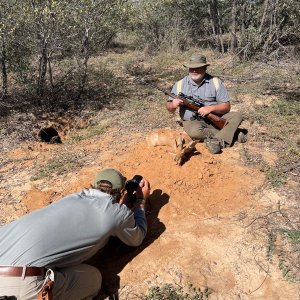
(38, 36)
(246, 27)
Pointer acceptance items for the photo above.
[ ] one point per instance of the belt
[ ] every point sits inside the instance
(18, 271)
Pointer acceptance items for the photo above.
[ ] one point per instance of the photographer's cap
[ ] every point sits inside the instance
(113, 176)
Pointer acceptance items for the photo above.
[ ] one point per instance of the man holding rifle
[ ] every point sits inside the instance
(42, 254)
(211, 121)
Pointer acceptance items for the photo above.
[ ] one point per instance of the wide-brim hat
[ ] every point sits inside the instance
(196, 61)
(116, 179)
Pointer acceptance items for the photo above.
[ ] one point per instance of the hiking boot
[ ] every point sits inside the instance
(213, 145)
(242, 137)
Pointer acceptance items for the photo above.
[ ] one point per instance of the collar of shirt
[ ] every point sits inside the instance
(205, 80)
(96, 193)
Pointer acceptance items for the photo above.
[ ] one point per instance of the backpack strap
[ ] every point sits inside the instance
(179, 86)
(216, 83)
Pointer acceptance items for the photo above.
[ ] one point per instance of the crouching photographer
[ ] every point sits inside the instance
(42, 254)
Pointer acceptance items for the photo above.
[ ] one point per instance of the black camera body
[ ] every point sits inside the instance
(132, 185)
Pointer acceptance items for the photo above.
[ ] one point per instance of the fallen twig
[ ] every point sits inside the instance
(267, 274)
(262, 217)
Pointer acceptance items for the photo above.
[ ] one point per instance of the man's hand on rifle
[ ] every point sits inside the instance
(176, 102)
(205, 110)
(171, 106)
(217, 109)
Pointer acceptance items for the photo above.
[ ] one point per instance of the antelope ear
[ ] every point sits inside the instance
(183, 139)
(191, 144)
(190, 147)
(175, 146)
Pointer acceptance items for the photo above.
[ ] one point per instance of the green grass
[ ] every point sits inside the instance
(292, 234)
(271, 244)
(276, 177)
(284, 111)
(86, 133)
(287, 252)
(135, 67)
(281, 119)
(176, 292)
(61, 164)
(287, 272)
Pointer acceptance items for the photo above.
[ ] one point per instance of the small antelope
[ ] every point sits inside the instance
(181, 144)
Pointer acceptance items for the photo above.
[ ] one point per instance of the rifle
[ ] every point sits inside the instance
(193, 104)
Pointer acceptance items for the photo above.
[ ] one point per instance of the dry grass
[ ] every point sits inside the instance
(135, 108)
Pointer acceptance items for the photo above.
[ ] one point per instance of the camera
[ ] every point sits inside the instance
(132, 185)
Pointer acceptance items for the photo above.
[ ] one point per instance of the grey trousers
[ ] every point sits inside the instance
(200, 129)
(76, 283)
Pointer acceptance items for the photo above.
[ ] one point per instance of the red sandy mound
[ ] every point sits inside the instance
(196, 233)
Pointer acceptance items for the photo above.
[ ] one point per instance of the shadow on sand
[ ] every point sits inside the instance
(112, 259)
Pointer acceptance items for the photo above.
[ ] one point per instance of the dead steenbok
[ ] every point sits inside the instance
(182, 146)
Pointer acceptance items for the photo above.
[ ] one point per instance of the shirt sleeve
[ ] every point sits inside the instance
(133, 229)
(222, 94)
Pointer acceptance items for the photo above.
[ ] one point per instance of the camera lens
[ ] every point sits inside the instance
(137, 178)
(133, 184)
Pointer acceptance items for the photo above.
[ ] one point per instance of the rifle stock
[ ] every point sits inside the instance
(217, 121)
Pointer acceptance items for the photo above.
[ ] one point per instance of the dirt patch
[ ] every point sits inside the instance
(197, 225)
(205, 224)
(35, 198)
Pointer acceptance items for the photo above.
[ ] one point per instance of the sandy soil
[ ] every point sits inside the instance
(200, 222)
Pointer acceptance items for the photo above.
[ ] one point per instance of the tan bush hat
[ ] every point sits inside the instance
(113, 176)
(197, 60)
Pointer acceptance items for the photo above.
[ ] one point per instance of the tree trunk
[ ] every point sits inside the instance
(233, 41)
(220, 27)
(263, 18)
(50, 72)
(85, 51)
(42, 68)
(215, 21)
(244, 24)
(4, 69)
(212, 19)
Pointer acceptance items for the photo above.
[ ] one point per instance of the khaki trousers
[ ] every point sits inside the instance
(200, 129)
(76, 283)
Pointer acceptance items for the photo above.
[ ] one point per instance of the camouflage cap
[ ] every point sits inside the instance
(196, 60)
(113, 176)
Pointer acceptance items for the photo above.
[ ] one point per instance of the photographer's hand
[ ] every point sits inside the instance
(142, 193)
